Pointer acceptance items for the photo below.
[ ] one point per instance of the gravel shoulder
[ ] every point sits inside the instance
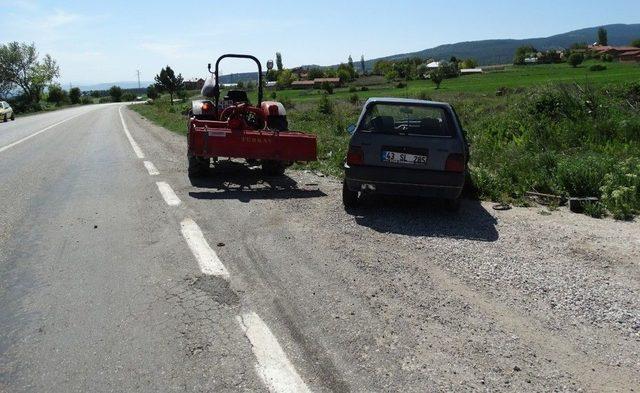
(401, 295)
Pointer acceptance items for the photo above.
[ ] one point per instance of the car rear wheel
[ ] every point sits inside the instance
(350, 198)
(13, 117)
(197, 166)
(5, 118)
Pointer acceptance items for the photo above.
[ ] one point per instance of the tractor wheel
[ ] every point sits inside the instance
(273, 168)
(349, 198)
(197, 166)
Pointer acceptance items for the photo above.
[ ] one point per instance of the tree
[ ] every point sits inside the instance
(55, 94)
(20, 67)
(603, 37)
(315, 72)
(422, 70)
(363, 65)
(437, 76)
(152, 92)
(167, 81)
(116, 93)
(344, 75)
(285, 78)
(575, 59)
(74, 95)
(279, 65)
(350, 64)
(468, 63)
(636, 43)
(522, 53)
(95, 93)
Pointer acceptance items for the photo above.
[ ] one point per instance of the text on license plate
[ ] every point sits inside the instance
(404, 158)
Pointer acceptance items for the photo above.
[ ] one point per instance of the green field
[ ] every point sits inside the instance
(552, 129)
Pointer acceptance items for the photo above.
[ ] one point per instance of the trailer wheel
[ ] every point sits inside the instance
(349, 198)
(197, 166)
(273, 168)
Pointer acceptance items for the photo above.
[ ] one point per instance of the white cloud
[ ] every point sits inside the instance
(59, 18)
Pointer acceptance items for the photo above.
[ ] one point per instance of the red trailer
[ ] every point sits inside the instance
(234, 128)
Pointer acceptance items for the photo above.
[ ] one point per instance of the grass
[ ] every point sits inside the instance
(552, 129)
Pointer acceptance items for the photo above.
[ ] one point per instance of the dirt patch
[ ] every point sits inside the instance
(218, 288)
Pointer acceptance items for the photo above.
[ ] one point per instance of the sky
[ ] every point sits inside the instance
(107, 41)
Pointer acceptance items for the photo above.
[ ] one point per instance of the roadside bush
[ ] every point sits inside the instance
(352, 89)
(597, 67)
(354, 99)
(104, 100)
(581, 176)
(401, 85)
(115, 92)
(621, 189)
(74, 95)
(327, 87)
(595, 209)
(364, 88)
(423, 95)
(86, 100)
(325, 106)
(128, 96)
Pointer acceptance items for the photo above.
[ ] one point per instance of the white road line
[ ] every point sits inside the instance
(153, 171)
(167, 193)
(273, 366)
(208, 260)
(9, 146)
(136, 148)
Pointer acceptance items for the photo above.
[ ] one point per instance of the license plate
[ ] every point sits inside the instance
(404, 158)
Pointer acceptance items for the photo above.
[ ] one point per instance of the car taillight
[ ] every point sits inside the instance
(206, 107)
(355, 156)
(455, 163)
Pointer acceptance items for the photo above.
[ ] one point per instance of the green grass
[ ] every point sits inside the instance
(553, 129)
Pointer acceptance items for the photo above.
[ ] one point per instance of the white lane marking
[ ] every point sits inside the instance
(208, 260)
(167, 193)
(9, 146)
(273, 366)
(136, 148)
(153, 171)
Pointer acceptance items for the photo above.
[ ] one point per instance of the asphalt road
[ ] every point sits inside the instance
(119, 273)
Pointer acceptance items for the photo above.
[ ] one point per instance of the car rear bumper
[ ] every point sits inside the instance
(401, 181)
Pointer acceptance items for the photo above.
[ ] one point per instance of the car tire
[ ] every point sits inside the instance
(5, 118)
(350, 199)
(197, 166)
(273, 168)
(452, 205)
(13, 117)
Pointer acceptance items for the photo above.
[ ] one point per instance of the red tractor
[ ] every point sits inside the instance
(234, 128)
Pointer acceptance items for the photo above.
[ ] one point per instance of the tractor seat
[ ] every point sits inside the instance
(238, 96)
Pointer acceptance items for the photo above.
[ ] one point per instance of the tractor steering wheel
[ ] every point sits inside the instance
(244, 112)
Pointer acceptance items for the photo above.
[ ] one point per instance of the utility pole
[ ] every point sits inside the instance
(138, 71)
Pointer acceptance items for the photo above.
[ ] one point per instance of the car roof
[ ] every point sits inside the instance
(410, 101)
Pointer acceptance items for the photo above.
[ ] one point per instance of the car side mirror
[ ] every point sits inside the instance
(351, 129)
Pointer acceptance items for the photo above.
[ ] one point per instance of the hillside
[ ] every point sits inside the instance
(501, 51)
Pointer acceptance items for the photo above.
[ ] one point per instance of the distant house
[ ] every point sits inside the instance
(530, 60)
(193, 84)
(302, 85)
(318, 82)
(630, 56)
(469, 71)
(619, 52)
(270, 84)
(435, 64)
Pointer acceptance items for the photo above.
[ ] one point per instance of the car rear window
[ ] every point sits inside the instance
(406, 119)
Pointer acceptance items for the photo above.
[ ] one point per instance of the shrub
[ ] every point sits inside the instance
(364, 88)
(352, 89)
(115, 92)
(287, 103)
(86, 100)
(274, 95)
(74, 95)
(104, 100)
(581, 176)
(423, 95)
(575, 59)
(128, 96)
(597, 67)
(401, 85)
(327, 87)
(354, 99)
(621, 189)
(152, 92)
(325, 106)
(595, 209)
(607, 58)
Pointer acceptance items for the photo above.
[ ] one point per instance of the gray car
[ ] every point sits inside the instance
(406, 147)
